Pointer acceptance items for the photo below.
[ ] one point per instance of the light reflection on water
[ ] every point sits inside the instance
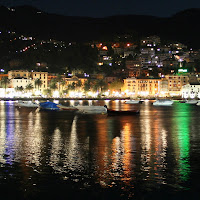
(131, 153)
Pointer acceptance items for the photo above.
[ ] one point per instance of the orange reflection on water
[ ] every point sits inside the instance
(153, 144)
(103, 151)
(127, 143)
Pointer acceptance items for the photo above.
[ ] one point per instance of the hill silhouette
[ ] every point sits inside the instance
(28, 20)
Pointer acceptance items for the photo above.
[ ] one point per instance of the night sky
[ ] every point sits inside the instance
(104, 8)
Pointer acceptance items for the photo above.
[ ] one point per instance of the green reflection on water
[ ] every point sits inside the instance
(182, 124)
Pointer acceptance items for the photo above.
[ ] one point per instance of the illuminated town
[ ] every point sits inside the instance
(100, 108)
(147, 70)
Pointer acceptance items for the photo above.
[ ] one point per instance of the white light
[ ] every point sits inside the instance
(56, 94)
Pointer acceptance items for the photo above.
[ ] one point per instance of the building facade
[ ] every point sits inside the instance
(191, 91)
(142, 87)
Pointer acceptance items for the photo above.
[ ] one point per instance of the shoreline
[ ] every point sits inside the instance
(69, 98)
(61, 99)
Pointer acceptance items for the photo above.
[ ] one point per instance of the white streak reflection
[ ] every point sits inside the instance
(2, 133)
(73, 154)
(56, 148)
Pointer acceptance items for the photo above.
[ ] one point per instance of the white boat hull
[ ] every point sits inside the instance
(163, 103)
(91, 109)
(132, 101)
(27, 104)
(191, 101)
(198, 104)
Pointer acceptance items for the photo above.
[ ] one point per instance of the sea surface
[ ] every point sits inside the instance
(67, 155)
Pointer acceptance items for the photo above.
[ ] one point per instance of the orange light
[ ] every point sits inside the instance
(105, 48)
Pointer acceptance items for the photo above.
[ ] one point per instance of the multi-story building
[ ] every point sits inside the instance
(145, 60)
(150, 41)
(43, 77)
(118, 50)
(75, 79)
(106, 60)
(148, 50)
(174, 84)
(133, 67)
(144, 87)
(19, 74)
(148, 87)
(129, 87)
(20, 82)
(22, 78)
(191, 91)
(170, 62)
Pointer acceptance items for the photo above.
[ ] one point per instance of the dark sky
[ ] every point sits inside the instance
(103, 8)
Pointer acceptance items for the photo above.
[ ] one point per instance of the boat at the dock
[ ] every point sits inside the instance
(121, 112)
(56, 107)
(90, 109)
(192, 101)
(132, 101)
(163, 102)
(27, 104)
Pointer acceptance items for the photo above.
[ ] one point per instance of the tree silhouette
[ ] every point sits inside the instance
(4, 82)
(29, 87)
(38, 83)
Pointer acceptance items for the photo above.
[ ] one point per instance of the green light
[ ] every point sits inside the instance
(182, 70)
(182, 123)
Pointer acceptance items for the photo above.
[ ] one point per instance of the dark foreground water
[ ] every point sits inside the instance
(63, 155)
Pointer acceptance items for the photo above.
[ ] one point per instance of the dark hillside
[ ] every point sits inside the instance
(182, 26)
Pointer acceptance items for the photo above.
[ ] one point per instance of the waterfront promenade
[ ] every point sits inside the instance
(63, 99)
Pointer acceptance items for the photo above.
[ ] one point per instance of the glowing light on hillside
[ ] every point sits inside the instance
(105, 48)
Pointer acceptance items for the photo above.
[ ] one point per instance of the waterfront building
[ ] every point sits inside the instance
(75, 79)
(43, 77)
(191, 91)
(72, 82)
(148, 87)
(20, 82)
(142, 87)
(21, 78)
(3, 75)
(19, 74)
(129, 87)
(171, 85)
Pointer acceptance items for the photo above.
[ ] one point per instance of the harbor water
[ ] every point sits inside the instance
(68, 155)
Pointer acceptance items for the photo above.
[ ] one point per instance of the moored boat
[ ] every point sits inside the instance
(163, 102)
(69, 108)
(91, 109)
(27, 104)
(56, 107)
(122, 112)
(191, 101)
(48, 106)
(132, 101)
(198, 103)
